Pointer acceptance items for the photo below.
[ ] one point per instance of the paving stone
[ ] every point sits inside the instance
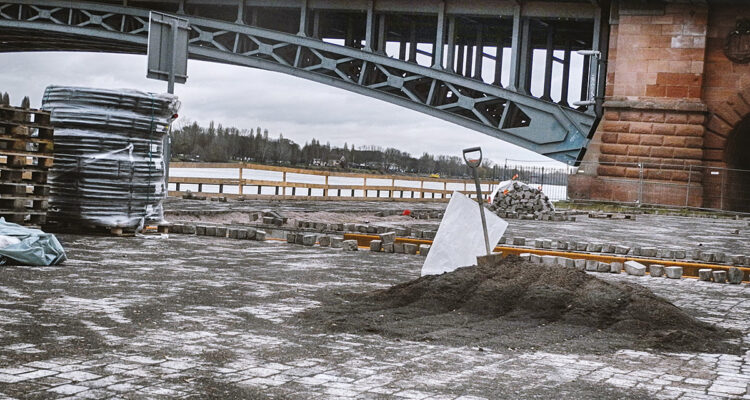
(735, 275)
(242, 234)
(387, 237)
(337, 242)
(200, 230)
(291, 237)
(562, 245)
(260, 235)
(539, 243)
(489, 260)
(410, 248)
(615, 267)
(210, 231)
(679, 254)
(656, 270)
(635, 268)
(389, 247)
(581, 246)
(189, 229)
(566, 262)
(592, 265)
(535, 258)
(594, 247)
(308, 240)
(580, 264)
(622, 250)
(220, 231)
(519, 241)
(608, 248)
(603, 267)
(350, 245)
(549, 260)
(719, 276)
(424, 249)
(376, 245)
(704, 274)
(648, 252)
(525, 256)
(324, 241)
(251, 234)
(673, 272)
(68, 389)
(398, 247)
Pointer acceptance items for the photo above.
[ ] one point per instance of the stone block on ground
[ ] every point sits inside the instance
(648, 251)
(656, 270)
(547, 243)
(592, 265)
(252, 234)
(562, 245)
(539, 243)
(603, 267)
(608, 248)
(615, 267)
(350, 245)
(221, 231)
(387, 237)
(376, 245)
(581, 246)
(232, 233)
(337, 242)
(398, 247)
(635, 268)
(410, 248)
(704, 274)
(735, 275)
(580, 264)
(241, 234)
(535, 258)
(566, 262)
(549, 260)
(424, 249)
(489, 260)
(308, 240)
(622, 250)
(525, 256)
(673, 272)
(324, 241)
(210, 231)
(388, 248)
(719, 276)
(299, 238)
(188, 229)
(519, 241)
(291, 237)
(260, 236)
(679, 254)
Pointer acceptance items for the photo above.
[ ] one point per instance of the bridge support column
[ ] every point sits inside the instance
(649, 147)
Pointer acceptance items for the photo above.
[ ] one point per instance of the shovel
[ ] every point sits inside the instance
(474, 162)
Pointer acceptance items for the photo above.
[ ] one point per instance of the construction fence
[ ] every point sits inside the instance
(684, 186)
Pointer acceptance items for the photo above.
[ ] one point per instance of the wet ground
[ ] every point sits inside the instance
(203, 317)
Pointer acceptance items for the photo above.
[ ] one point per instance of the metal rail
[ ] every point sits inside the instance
(451, 88)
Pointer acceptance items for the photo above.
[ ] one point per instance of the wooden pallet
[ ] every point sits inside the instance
(24, 164)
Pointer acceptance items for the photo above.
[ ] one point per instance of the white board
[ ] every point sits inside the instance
(459, 239)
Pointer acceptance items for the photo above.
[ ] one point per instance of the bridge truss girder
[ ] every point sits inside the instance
(507, 113)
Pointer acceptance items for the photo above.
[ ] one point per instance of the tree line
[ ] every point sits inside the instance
(216, 143)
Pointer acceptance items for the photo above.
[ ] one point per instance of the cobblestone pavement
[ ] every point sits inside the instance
(201, 317)
(662, 231)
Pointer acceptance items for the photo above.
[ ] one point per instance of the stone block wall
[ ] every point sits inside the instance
(673, 103)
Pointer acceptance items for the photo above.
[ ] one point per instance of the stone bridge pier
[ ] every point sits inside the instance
(677, 104)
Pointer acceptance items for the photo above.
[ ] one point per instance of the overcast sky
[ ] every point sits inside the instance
(247, 98)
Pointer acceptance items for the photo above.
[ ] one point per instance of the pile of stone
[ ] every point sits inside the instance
(388, 244)
(524, 202)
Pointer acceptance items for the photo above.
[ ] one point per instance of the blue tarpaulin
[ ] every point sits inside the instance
(35, 247)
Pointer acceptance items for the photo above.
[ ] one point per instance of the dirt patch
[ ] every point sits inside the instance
(518, 304)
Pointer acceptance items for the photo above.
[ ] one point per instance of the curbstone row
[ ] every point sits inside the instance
(219, 231)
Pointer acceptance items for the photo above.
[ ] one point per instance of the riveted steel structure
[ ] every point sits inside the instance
(465, 62)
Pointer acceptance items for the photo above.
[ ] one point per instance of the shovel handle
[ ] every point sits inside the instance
(473, 162)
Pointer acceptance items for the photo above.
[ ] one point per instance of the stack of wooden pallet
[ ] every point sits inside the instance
(26, 154)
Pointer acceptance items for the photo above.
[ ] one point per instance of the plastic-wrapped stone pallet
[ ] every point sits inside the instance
(515, 199)
(109, 166)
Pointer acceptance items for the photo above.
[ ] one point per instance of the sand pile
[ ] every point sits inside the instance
(517, 304)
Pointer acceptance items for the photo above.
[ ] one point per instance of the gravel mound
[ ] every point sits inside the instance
(517, 304)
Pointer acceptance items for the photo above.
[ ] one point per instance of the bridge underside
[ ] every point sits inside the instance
(509, 71)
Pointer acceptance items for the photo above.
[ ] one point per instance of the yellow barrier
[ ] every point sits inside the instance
(689, 269)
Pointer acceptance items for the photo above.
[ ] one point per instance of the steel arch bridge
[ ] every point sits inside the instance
(432, 56)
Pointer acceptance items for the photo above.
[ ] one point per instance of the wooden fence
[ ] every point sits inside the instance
(247, 184)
